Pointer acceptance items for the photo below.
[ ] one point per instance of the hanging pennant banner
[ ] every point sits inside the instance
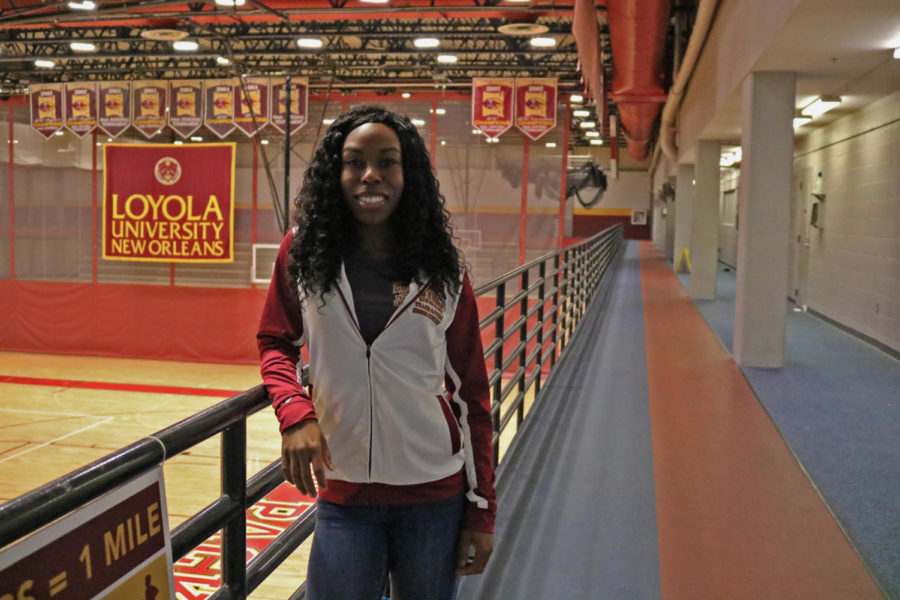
(299, 102)
(47, 108)
(114, 107)
(149, 103)
(251, 116)
(81, 107)
(536, 105)
(185, 106)
(493, 101)
(219, 106)
(168, 203)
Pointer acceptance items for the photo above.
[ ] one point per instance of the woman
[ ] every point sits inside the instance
(396, 429)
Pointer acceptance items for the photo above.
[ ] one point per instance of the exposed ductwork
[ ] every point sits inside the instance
(587, 42)
(637, 31)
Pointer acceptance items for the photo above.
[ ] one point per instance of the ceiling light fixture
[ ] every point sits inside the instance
(418, 122)
(82, 46)
(581, 113)
(427, 43)
(820, 106)
(896, 52)
(550, 144)
(592, 133)
(543, 42)
(801, 121)
(309, 42)
(185, 45)
(222, 60)
(406, 94)
(230, 3)
(587, 125)
(596, 142)
(577, 98)
(448, 59)
(44, 64)
(196, 138)
(86, 5)
(374, 1)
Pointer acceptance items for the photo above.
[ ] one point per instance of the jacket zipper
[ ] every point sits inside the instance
(369, 361)
(371, 405)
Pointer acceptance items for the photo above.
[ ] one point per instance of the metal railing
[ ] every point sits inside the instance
(553, 292)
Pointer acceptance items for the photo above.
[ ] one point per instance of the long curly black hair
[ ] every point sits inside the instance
(326, 227)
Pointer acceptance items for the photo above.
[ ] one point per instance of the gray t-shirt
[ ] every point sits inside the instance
(377, 291)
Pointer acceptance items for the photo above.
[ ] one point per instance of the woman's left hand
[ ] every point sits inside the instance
(475, 547)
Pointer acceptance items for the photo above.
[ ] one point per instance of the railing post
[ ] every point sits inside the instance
(556, 309)
(576, 290)
(498, 364)
(234, 485)
(523, 335)
(564, 300)
(542, 273)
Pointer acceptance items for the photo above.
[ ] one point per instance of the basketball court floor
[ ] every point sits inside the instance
(59, 413)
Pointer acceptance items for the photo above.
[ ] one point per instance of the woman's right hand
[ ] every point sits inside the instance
(303, 446)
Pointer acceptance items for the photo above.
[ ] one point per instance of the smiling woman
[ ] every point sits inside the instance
(372, 183)
(394, 434)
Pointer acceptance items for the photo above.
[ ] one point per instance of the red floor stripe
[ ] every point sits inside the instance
(119, 387)
(737, 517)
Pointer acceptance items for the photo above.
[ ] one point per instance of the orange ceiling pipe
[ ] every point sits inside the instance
(587, 42)
(637, 31)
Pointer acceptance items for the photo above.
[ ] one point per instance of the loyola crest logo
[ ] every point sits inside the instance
(167, 170)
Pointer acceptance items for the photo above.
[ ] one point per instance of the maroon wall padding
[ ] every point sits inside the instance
(584, 226)
(154, 321)
(140, 321)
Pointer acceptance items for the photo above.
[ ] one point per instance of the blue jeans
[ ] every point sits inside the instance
(355, 548)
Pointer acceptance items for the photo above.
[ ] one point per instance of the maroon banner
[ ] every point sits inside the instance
(168, 203)
(220, 106)
(114, 107)
(493, 103)
(299, 102)
(47, 108)
(149, 103)
(251, 115)
(81, 107)
(185, 106)
(536, 105)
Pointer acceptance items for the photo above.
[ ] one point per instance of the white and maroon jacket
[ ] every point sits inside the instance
(407, 418)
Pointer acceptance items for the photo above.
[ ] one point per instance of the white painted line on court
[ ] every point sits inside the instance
(45, 412)
(53, 441)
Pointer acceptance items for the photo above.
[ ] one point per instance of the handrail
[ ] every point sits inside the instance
(560, 293)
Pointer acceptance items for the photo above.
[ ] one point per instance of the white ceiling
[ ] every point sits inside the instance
(836, 47)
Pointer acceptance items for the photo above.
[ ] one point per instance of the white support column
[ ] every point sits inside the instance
(705, 221)
(684, 201)
(767, 139)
